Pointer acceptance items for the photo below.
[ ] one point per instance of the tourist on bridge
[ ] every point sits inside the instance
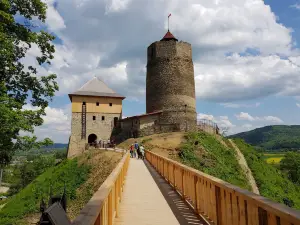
(142, 152)
(131, 150)
(136, 147)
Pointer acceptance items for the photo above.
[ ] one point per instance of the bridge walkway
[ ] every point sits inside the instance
(148, 199)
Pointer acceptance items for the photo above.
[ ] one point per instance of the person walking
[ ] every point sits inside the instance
(131, 151)
(136, 146)
(142, 152)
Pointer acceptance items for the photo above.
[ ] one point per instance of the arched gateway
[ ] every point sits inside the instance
(92, 138)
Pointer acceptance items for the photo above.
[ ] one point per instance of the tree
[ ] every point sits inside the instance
(19, 84)
(291, 165)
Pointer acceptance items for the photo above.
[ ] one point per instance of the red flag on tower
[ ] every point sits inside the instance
(169, 15)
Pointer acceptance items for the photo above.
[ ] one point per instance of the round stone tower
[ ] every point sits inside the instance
(170, 84)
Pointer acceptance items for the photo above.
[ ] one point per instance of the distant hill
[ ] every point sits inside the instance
(57, 145)
(273, 138)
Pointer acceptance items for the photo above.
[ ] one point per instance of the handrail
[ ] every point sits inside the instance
(220, 202)
(103, 207)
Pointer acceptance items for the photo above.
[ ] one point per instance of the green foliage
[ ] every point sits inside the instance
(291, 165)
(204, 152)
(273, 138)
(20, 85)
(29, 170)
(27, 201)
(270, 181)
(60, 154)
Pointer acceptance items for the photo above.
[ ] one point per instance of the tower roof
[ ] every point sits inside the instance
(169, 36)
(96, 87)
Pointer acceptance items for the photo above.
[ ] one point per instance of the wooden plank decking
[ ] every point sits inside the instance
(143, 202)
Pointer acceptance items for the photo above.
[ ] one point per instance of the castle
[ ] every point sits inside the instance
(170, 100)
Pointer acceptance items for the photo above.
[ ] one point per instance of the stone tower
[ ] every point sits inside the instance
(170, 84)
(96, 110)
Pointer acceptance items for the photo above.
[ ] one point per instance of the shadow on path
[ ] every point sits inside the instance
(182, 211)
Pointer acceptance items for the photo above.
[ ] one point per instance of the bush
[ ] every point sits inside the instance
(27, 201)
(291, 165)
(271, 182)
(204, 152)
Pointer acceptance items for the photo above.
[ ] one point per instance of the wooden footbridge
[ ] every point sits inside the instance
(161, 191)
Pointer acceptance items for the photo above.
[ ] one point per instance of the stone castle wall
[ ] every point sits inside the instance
(101, 128)
(171, 84)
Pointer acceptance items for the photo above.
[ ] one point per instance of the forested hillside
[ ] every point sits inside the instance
(273, 138)
(272, 183)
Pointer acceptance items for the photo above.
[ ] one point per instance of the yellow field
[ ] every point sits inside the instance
(274, 159)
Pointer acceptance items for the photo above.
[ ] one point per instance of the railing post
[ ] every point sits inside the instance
(110, 210)
(196, 193)
(182, 184)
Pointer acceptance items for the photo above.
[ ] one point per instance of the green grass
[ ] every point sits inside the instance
(271, 182)
(213, 158)
(27, 201)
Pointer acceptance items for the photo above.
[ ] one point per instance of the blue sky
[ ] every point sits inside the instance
(245, 52)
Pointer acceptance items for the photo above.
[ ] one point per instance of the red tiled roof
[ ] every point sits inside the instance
(169, 36)
(146, 114)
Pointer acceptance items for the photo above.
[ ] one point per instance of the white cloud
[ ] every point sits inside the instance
(247, 116)
(298, 105)
(109, 39)
(296, 6)
(235, 105)
(202, 116)
(57, 123)
(221, 121)
(54, 20)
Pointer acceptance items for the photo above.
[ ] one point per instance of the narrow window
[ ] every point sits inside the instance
(83, 103)
(110, 104)
(115, 121)
(97, 103)
(94, 117)
(103, 118)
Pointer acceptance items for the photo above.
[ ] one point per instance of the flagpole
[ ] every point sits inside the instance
(168, 22)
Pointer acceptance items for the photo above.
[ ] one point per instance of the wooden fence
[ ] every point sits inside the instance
(219, 201)
(103, 207)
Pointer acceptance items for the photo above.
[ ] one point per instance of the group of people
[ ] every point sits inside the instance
(137, 151)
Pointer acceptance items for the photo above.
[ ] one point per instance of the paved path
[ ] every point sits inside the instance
(243, 163)
(143, 202)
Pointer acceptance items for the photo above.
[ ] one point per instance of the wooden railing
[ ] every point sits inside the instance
(103, 207)
(220, 202)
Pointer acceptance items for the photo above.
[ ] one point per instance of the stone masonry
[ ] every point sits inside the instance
(170, 83)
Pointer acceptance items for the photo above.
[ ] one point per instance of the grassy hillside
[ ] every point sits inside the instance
(273, 138)
(213, 158)
(209, 156)
(270, 181)
(82, 175)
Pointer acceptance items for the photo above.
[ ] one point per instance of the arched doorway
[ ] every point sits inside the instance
(92, 138)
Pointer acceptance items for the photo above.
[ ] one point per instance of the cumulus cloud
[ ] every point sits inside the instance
(109, 39)
(54, 20)
(57, 123)
(240, 50)
(247, 116)
(222, 121)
